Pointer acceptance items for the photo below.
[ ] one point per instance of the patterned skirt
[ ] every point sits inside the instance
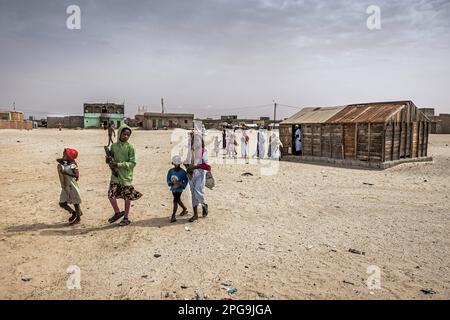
(123, 192)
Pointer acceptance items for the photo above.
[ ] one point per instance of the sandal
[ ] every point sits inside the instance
(124, 222)
(75, 221)
(173, 220)
(116, 217)
(183, 213)
(205, 210)
(73, 217)
(192, 219)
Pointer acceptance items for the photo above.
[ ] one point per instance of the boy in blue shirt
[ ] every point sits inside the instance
(177, 180)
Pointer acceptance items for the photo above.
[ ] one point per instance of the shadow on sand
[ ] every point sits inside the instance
(63, 229)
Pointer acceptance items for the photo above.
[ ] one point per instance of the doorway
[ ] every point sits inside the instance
(297, 140)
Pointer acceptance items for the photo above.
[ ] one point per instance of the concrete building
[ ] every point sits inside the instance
(440, 124)
(155, 120)
(98, 115)
(67, 122)
(14, 120)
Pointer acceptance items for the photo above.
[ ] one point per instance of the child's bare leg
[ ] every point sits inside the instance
(127, 208)
(113, 202)
(117, 214)
(75, 218)
(184, 212)
(125, 220)
(65, 206)
(174, 212)
(195, 216)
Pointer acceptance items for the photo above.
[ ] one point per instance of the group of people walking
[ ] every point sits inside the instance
(122, 161)
(230, 143)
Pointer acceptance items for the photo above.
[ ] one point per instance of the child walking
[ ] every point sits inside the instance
(177, 180)
(70, 192)
(124, 160)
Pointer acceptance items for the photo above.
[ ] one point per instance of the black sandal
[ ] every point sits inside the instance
(173, 219)
(75, 221)
(192, 219)
(183, 213)
(124, 222)
(205, 210)
(116, 217)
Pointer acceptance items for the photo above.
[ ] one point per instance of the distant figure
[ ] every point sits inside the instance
(298, 139)
(216, 146)
(177, 180)
(275, 146)
(269, 151)
(235, 144)
(60, 126)
(230, 143)
(245, 139)
(111, 132)
(70, 192)
(224, 139)
(260, 147)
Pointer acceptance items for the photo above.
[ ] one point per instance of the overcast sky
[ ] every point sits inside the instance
(214, 57)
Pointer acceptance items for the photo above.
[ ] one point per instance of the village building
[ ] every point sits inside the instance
(98, 115)
(440, 124)
(67, 122)
(156, 120)
(374, 135)
(14, 120)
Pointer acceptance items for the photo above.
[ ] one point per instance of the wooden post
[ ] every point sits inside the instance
(383, 144)
(356, 141)
(392, 142)
(368, 143)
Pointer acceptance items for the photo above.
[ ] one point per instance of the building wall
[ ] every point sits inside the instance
(93, 120)
(444, 124)
(11, 124)
(5, 116)
(53, 122)
(152, 122)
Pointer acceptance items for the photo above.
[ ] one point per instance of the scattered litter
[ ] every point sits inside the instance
(348, 282)
(167, 295)
(356, 251)
(197, 295)
(333, 250)
(246, 174)
(18, 141)
(231, 290)
(187, 228)
(309, 247)
(368, 184)
(425, 180)
(239, 181)
(372, 293)
(145, 276)
(225, 284)
(183, 287)
(119, 285)
(26, 279)
(428, 291)
(157, 255)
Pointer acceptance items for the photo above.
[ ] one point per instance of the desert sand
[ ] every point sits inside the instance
(280, 236)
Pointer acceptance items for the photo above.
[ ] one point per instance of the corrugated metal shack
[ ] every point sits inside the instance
(376, 135)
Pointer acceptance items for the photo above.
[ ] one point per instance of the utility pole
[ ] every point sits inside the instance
(274, 113)
(14, 106)
(162, 105)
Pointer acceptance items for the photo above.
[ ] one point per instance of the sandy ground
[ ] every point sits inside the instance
(280, 236)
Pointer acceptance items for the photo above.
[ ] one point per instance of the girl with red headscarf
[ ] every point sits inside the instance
(70, 192)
